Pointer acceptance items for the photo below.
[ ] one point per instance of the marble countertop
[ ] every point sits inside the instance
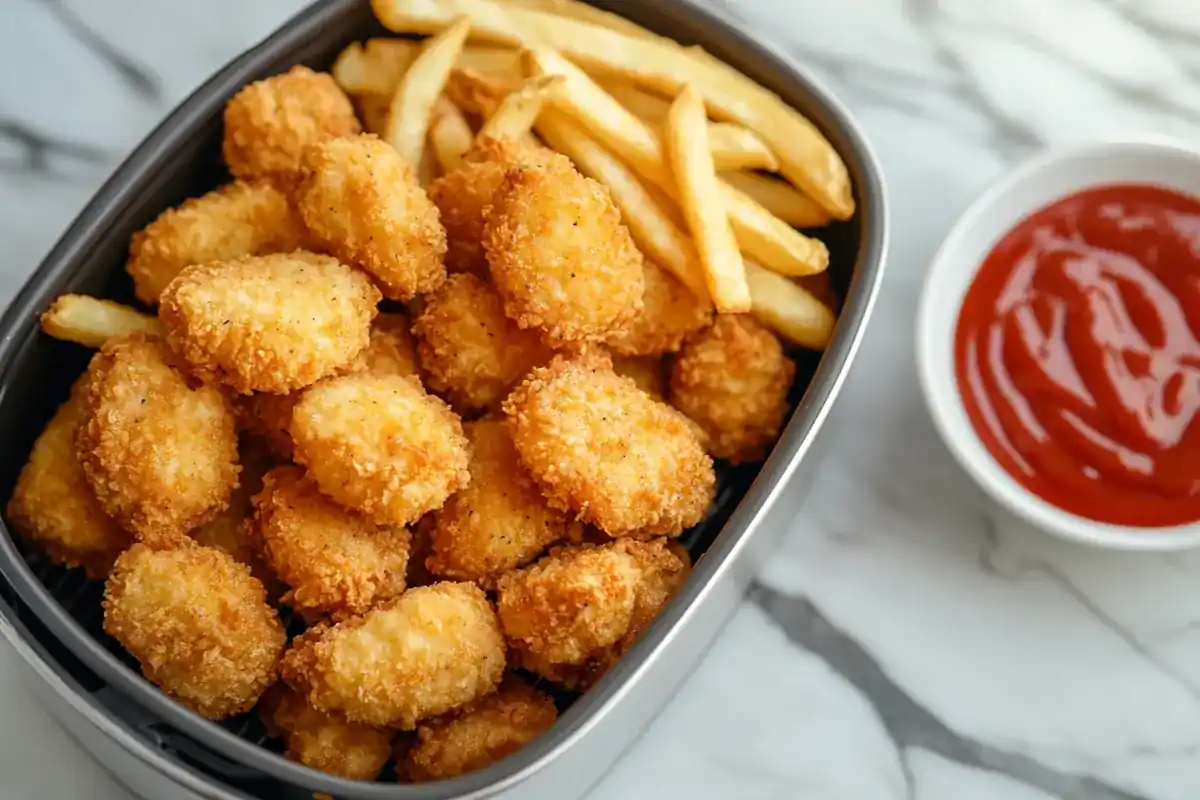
(908, 641)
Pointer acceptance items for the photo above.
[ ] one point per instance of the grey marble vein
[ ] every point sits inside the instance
(40, 153)
(140, 79)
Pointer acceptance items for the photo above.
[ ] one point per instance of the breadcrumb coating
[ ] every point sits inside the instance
(429, 651)
(609, 452)
(53, 505)
(269, 323)
(235, 220)
(335, 561)
(160, 455)
(480, 734)
(391, 349)
(326, 742)
(500, 521)
(732, 380)
(648, 372)
(270, 123)
(559, 254)
(198, 623)
(379, 444)
(669, 313)
(360, 200)
(470, 351)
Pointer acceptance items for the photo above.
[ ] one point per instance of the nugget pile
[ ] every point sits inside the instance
(430, 424)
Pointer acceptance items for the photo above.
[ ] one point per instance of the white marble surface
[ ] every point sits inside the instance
(907, 641)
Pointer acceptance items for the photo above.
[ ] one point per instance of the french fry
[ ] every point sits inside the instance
(573, 9)
(788, 308)
(778, 197)
(91, 322)
(648, 219)
(449, 134)
(374, 67)
(806, 158)
(687, 145)
(821, 287)
(515, 115)
(419, 89)
(781, 248)
(373, 112)
(480, 94)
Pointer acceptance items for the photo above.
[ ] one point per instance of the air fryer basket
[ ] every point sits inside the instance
(181, 159)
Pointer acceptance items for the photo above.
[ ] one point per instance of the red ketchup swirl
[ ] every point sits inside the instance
(1077, 354)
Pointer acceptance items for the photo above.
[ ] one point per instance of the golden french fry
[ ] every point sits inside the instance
(515, 115)
(373, 112)
(806, 158)
(583, 12)
(419, 89)
(91, 322)
(473, 91)
(821, 287)
(647, 106)
(374, 67)
(737, 147)
(765, 237)
(648, 219)
(788, 308)
(449, 134)
(691, 162)
(778, 197)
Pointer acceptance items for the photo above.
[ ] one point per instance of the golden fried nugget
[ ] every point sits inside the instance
(648, 372)
(269, 323)
(160, 455)
(500, 521)
(463, 195)
(269, 123)
(427, 652)
(269, 418)
(669, 313)
(559, 254)
(470, 351)
(238, 219)
(362, 201)
(53, 505)
(198, 623)
(390, 350)
(335, 561)
(601, 447)
(733, 381)
(480, 734)
(326, 742)
(379, 444)
(577, 600)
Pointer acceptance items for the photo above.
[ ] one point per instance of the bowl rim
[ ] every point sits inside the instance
(938, 312)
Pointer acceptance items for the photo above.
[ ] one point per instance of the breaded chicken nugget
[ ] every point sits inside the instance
(391, 349)
(648, 372)
(480, 734)
(500, 521)
(269, 418)
(269, 323)
(470, 351)
(379, 444)
(160, 455)
(53, 505)
(198, 623)
(669, 313)
(559, 254)
(606, 450)
(733, 381)
(361, 201)
(324, 741)
(427, 652)
(269, 123)
(335, 561)
(238, 219)
(463, 195)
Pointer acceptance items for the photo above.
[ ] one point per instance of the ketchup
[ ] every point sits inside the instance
(1077, 353)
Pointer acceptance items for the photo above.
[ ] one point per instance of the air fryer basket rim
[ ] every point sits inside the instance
(18, 325)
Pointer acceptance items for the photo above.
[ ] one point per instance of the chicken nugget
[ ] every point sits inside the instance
(427, 652)
(268, 417)
(480, 734)
(391, 349)
(500, 521)
(53, 505)
(360, 199)
(669, 313)
(464, 194)
(269, 123)
(238, 219)
(379, 444)
(269, 323)
(559, 254)
(327, 742)
(198, 623)
(603, 448)
(733, 380)
(335, 561)
(470, 351)
(160, 455)
(648, 372)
